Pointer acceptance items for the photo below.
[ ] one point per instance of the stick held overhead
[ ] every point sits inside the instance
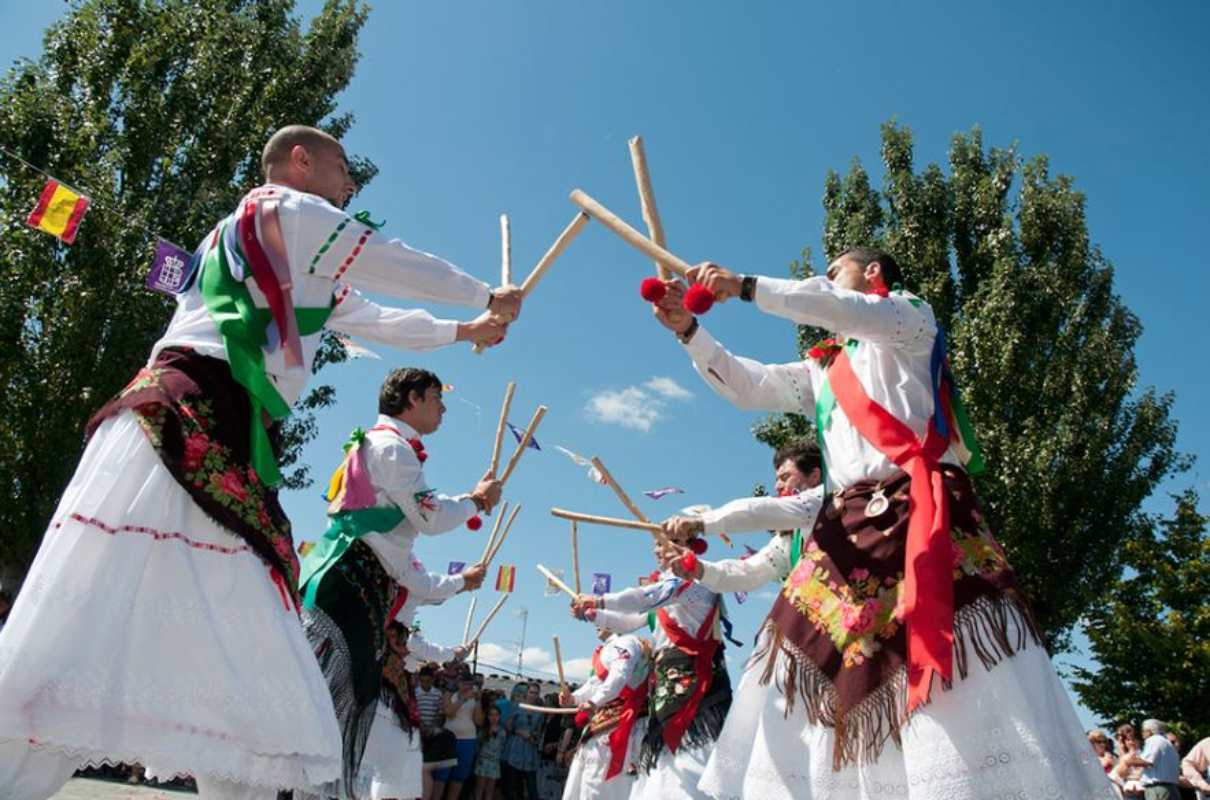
(628, 234)
(508, 402)
(528, 437)
(555, 581)
(651, 214)
(621, 493)
(483, 626)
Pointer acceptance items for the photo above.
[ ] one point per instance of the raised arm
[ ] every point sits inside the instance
(619, 622)
(642, 599)
(425, 650)
(408, 329)
(765, 513)
(330, 243)
(768, 565)
(750, 384)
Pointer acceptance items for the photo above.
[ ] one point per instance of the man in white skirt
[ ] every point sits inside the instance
(613, 708)
(899, 660)
(168, 567)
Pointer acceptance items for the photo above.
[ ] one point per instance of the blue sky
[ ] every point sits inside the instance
(471, 109)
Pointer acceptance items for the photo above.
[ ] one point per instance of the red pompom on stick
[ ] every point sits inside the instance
(581, 719)
(689, 563)
(698, 546)
(699, 299)
(652, 290)
(474, 523)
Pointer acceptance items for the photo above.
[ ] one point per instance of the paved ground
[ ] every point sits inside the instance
(88, 789)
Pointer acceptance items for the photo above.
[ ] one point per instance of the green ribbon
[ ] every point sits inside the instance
(343, 529)
(243, 327)
(796, 548)
(364, 218)
(825, 404)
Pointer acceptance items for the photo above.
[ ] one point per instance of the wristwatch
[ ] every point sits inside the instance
(747, 288)
(688, 334)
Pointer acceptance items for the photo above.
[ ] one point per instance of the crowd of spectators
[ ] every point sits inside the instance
(1154, 765)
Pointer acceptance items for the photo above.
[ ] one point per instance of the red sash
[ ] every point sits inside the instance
(400, 599)
(633, 700)
(928, 585)
(702, 647)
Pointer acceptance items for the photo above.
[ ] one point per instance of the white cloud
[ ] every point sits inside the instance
(535, 659)
(635, 407)
(668, 388)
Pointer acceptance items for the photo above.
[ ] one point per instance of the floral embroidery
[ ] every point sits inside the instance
(863, 610)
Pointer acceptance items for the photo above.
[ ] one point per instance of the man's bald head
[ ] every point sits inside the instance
(309, 160)
(281, 144)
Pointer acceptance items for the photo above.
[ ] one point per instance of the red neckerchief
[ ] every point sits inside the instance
(702, 647)
(928, 584)
(597, 665)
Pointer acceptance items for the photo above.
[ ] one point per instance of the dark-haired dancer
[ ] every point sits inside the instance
(170, 532)
(361, 572)
(899, 659)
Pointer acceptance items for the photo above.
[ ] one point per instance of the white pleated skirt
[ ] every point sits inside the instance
(586, 777)
(1010, 732)
(675, 775)
(392, 765)
(147, 633)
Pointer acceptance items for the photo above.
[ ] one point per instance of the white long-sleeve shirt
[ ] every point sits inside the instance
(398, 479)
(770, 564)
(622, 655)
(765, 513)
(320, 241)
(891, 361)
(687, 603)
(426, 589)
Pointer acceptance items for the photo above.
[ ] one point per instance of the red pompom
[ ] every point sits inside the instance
(474, 523)
(581, 719)
(652, 290)
(698, 299)
(698, 545)
(689, 563)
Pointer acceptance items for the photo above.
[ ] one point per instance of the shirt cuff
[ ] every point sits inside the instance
(482, 296)
(445, 331)
(711, 574)
(467, 505)
(712, 521)
(771, 293)
(701, 346)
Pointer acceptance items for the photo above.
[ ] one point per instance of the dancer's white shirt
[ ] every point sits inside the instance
(382, 265)
(891, 361)
(426, 589)
(621, 654)
(764, 513)
(627, 610)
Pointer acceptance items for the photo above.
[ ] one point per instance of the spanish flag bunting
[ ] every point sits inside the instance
(506, 578)
(59, 211)
(305, 547)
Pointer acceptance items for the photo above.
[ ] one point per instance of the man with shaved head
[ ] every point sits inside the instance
(169, 567)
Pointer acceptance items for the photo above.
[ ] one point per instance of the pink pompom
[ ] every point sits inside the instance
(698, 299)
(474, 523)
(652, 290)
(581, 719)
(698, 546)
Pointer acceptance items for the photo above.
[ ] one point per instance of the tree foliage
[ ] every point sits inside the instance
(158, 110)
(1150, 632)
(1041, 346)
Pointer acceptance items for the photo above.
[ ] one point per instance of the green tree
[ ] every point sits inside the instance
(158, 109)
(1150, 631)
(1041, 346)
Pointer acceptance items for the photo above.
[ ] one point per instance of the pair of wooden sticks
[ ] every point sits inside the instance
(560, 244)
(526, 438)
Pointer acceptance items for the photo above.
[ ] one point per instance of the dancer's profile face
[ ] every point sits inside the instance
(327, 174)
(848, 273)
(426, 412)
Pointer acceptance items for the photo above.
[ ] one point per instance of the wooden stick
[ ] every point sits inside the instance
(575, 555)
(491, 540)
(534, 421)
(553, 578)
(547, 709)
(625, 498)
(495, 610)
(506, 252)
(651, 214)
(508, 402)
(632, 237)
(565, 238)
(614, 522)
(470, 612)
(559, 665)
(500, 542)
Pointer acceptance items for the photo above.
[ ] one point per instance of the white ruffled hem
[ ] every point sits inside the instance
(586, 778)
(1008, 732)
(147, 633)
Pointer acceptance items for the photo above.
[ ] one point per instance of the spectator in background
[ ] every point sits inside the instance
(428, 700)
(491, 745)
(1195, 768)
(521, 750)
(1126, 774)
(1103, 747)
(551, 774)
(463, 718)
(1160, 763)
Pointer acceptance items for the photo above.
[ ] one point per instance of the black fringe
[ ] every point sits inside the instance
(995, 627)
(702, 731)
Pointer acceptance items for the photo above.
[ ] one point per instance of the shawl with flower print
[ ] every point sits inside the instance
(197, 418)
(838, 621)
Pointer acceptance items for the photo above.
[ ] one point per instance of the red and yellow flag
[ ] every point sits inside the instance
(506, 578)
(59, 211)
